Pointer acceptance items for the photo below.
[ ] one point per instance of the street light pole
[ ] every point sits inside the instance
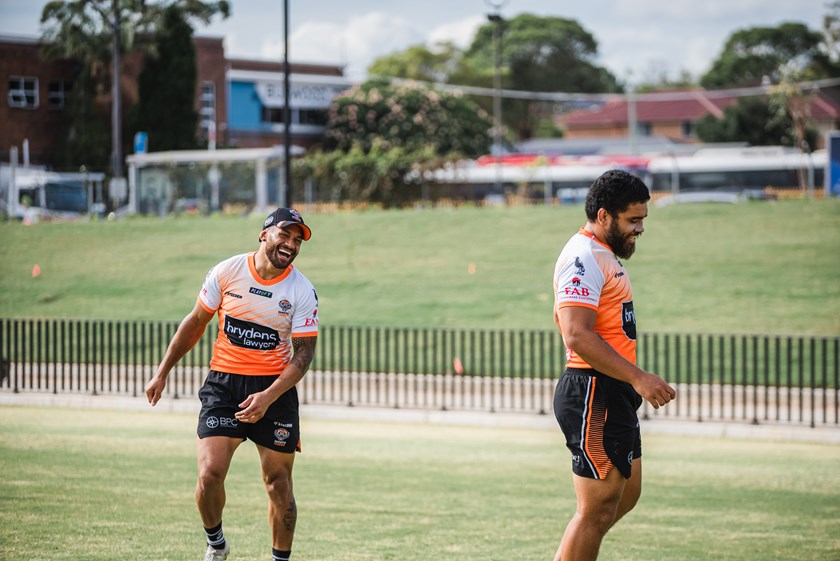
(496, 19)
(116, 105)
(287, 113)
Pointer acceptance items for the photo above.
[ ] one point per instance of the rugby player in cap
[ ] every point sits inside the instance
(268, 327)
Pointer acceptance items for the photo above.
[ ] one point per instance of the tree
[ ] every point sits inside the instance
(750, 55)
(831, 31)
(166, 86)
(409, 116)
(82, 30)
(380, 136)
(419, 62)
(87, 136)
(751, 120)
(540, 54)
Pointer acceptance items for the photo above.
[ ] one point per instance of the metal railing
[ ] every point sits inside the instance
(750, 378)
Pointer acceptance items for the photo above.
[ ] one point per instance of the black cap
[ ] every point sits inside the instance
(283, 217)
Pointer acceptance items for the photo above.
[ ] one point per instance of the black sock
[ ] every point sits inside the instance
(277, 555)
(215, 537)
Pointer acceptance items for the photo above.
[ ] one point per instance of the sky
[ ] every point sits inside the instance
(638, 40)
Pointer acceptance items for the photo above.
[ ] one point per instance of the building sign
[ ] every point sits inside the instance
(301, 95)
(141, 142)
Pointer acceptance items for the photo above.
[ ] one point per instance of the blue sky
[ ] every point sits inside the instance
(637, 39)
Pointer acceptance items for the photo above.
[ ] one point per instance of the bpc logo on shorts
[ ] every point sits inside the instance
(212, 422)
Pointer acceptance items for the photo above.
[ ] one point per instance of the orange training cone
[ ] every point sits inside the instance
(458, 366)
(36, 270)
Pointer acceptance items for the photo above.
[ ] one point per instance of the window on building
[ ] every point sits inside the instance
(23, 92)
(645, 129)
(57, 92)
(273, 115)
(310, 117)
(688, 129)
(317, 117)
(207, 106)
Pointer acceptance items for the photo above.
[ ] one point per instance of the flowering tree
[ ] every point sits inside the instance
(407, 116)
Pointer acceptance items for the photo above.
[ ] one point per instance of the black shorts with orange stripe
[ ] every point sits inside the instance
(597, 414)
(221, 394)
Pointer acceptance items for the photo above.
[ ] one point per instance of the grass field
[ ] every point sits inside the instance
(761, 267)
(101, 485)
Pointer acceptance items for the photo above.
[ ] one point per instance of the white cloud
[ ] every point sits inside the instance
(355, 43)
(461, 32)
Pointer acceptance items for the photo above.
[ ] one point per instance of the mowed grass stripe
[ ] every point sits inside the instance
(760, 267)
(104, 485)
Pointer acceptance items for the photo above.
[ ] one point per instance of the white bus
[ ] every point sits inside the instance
(738, 170)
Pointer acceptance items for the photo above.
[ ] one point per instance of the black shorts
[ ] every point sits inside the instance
(598, 416)
(221, 394)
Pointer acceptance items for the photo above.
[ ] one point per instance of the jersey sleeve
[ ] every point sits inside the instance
(210, 296)
(305, 315)
(578, 280)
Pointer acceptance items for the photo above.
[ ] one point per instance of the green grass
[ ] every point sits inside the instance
(102, 485)
(761, 267)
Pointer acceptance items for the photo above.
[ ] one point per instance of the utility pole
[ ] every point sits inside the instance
(496, 19)
(116, 102)
(287, 130)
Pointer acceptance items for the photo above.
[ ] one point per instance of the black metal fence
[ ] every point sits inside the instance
(759, 379)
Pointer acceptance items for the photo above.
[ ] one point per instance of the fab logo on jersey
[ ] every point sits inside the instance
(576, 289)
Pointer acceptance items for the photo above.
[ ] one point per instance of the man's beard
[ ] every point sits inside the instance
(275, 261)
(621, 245)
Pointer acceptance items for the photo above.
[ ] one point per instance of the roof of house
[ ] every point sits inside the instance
(676, 106)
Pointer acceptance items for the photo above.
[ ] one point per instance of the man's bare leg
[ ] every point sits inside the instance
(282, 510)
(598, 503)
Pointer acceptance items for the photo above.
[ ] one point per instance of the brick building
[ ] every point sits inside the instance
(35, 96)
(240, 102)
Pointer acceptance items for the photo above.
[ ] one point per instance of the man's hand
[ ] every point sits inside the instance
(186, 336)
(254, 407)
(654, 390)
(155, 387)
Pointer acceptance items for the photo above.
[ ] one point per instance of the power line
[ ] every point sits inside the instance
(603, 98)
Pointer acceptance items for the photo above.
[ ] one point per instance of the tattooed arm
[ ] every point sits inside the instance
(255, 405)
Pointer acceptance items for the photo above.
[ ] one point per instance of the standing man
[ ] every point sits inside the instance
(268, 326)
(596, 399)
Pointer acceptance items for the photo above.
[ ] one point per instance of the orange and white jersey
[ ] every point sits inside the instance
(257, 317)
(589, 274)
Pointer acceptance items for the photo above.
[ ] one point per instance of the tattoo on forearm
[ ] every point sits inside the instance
(304, 348)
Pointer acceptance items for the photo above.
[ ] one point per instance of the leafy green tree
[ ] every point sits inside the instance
(419, 62)
(831, 31)
(408, 116)
(750, 55)
(82, 30)
(376, 175)
(87, 134)
(540, 54)
(752, 120)
(381, 136)
(166, 87)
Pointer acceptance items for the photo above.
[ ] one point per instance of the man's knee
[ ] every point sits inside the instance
(279, 487)
(600, 517)
(211, 475)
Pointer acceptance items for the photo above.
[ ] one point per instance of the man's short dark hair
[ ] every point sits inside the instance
(615, 191)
